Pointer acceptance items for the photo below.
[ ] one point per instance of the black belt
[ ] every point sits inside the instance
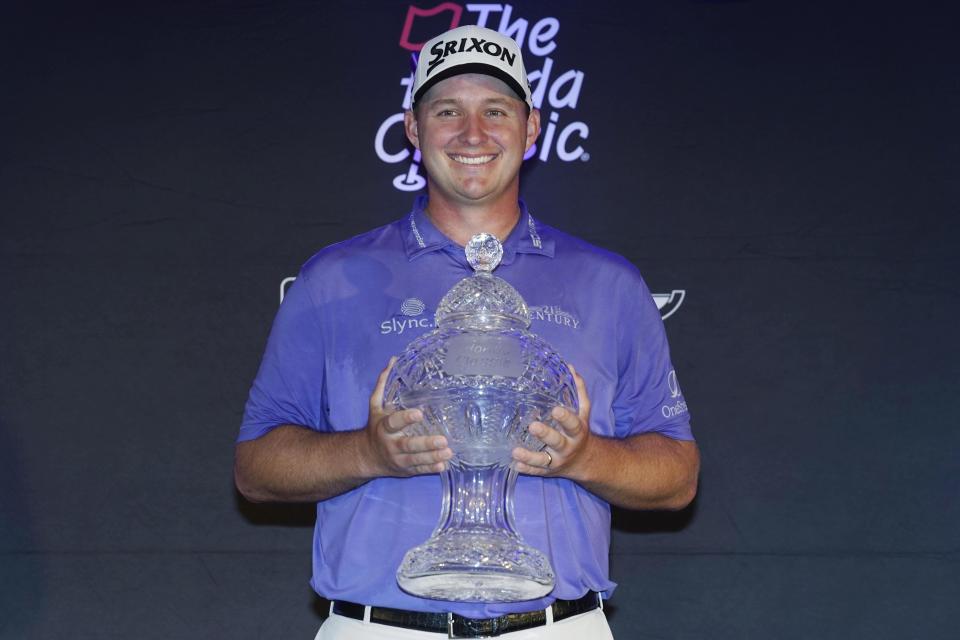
(457, 626)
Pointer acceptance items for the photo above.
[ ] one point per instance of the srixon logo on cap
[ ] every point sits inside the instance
(442, 49)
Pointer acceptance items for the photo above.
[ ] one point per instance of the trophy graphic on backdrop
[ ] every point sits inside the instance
(480, 378)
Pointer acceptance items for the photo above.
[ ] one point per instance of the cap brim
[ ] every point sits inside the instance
(473, 67)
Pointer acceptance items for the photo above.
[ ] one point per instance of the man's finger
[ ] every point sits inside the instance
(418, 444)
(524, 455)
(525, 461)
(398, 420)
(582, 396)
(438, 467)
(376, 398)
(570, 422)
(428, 458)
(547, 435)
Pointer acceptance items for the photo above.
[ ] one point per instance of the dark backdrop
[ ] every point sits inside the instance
(791, 166)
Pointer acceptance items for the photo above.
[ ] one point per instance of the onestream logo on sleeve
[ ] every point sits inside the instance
(555, 92)
(676, 405)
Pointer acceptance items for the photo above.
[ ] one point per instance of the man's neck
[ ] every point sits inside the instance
(460, 223)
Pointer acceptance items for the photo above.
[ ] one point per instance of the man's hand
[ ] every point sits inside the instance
(643, 471)
(292, 463)
(565, 447)
(391, 452)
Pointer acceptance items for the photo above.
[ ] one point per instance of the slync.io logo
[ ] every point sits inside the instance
(555, 92)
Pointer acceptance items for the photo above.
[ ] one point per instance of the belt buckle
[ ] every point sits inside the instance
(451, 632)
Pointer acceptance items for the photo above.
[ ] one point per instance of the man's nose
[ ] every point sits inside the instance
(473, 132)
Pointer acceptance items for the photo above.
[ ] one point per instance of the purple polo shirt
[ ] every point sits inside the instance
(359, 302)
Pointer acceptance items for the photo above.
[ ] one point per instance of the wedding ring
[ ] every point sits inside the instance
(549, 460)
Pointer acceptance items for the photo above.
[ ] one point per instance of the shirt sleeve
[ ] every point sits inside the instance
(289, 387)
(648, 397)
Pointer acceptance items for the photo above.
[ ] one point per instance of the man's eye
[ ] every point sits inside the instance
(495, 112)
(446, 112)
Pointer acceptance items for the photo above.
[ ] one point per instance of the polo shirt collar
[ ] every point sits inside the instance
(421, 237)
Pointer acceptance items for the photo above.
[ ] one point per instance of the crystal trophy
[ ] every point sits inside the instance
(480, 378)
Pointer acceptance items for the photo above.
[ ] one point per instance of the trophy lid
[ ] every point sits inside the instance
(482, 300)
(484, 252)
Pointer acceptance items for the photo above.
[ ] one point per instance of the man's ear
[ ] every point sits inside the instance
(533, 127)
(411, 129)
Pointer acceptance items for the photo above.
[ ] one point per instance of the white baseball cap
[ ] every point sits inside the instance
(471, 49)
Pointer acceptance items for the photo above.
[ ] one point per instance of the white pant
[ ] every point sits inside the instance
(586, 626)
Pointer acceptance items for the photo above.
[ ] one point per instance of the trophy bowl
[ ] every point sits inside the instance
(480, 378)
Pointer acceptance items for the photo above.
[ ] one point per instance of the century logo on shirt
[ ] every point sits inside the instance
(410, 318)
(553, 313)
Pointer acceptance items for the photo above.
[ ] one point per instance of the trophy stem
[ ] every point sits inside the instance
(475, 553)
(478, 498)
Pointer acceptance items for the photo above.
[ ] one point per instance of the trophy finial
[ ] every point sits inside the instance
(484, 252)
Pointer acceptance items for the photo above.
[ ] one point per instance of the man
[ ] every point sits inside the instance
(315, 429)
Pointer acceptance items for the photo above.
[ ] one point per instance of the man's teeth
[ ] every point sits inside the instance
(473, 159)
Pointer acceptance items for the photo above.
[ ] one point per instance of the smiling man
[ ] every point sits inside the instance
(472, 132)
(314, 428)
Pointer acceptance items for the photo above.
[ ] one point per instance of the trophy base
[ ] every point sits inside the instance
(476, 566)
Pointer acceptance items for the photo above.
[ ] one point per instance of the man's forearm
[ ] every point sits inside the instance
(646, 471)
(296, 464)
